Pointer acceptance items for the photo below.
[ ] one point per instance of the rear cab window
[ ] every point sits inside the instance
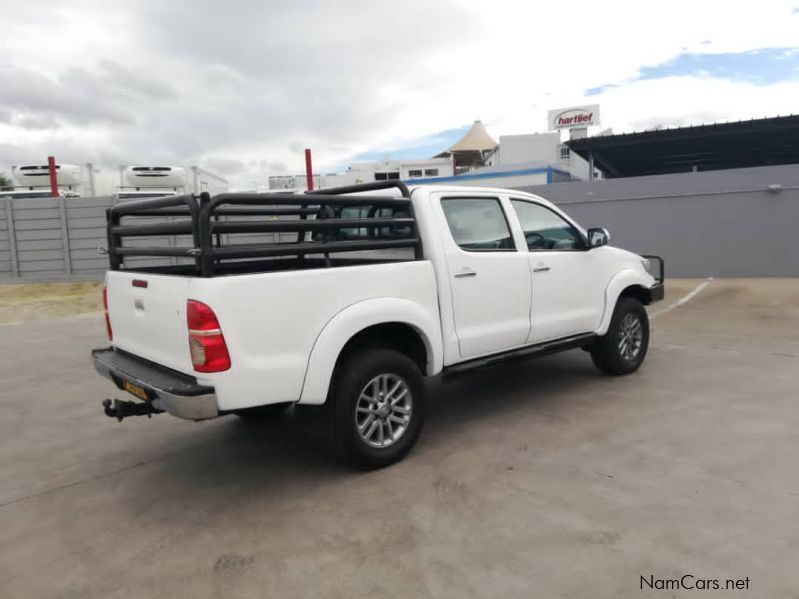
(366, 212)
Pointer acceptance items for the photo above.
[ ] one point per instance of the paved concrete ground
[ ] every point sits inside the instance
(537, 479)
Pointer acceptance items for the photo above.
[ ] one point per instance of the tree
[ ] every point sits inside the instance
(4, 181)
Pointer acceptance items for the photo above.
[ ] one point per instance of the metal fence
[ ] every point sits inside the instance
(52, 238)
(729, 223)
(740, 222)
(59, 238)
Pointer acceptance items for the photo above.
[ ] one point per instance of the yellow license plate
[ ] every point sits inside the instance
(135, 390)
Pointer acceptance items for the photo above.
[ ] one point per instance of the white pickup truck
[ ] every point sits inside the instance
(249, 303)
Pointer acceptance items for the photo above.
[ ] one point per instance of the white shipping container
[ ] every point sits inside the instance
(162, 177)
(34, 175)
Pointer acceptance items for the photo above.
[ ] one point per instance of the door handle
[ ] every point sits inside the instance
(541, 269)
(465, 273)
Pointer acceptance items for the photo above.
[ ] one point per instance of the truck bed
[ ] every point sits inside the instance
(238, 233)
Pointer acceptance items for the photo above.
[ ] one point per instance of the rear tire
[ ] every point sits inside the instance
(268, 412)
(379, 407)
(623, 348)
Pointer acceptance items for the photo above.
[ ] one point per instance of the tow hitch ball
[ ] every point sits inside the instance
(119, 409)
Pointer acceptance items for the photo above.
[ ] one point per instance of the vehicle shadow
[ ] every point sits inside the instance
(237, 459)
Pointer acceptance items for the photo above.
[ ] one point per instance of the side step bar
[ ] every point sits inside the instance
(528, 351)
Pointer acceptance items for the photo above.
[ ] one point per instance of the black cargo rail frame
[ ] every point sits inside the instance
(201, 220)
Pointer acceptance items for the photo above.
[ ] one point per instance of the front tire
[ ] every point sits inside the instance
(623, 348)
(379, 407)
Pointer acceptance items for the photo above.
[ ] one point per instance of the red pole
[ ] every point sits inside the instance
(308, 169)
(53, 179)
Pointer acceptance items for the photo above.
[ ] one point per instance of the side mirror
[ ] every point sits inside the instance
(597, 237)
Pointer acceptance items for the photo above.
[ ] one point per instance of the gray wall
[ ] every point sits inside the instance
(52, 238)
(720, 223)
(58, 238)
(717, 223)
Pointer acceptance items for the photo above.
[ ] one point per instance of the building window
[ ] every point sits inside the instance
(431, 172)
(387, 176)
(564, 152)
(415, 173)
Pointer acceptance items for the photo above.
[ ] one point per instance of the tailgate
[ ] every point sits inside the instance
(148, 317)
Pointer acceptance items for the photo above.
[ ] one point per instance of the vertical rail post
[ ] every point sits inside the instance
(114, 240)
(308, 170)
(12, 237)
(53, 177)
(172, 241)
(205, 259)
(62, 209)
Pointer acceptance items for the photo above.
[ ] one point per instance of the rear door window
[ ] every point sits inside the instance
(478, 224)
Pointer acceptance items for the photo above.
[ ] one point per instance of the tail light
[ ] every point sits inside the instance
(206, 343)
(105, 311)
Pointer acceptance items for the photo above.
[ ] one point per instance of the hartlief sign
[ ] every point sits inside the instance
(575, 117)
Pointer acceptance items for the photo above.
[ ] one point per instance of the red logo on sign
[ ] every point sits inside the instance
(577, 119)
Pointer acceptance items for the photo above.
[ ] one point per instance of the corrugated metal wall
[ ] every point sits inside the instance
(58, 238)
(86, 228)
(716, 223)
(719, 223)
(52, 238)
(39, 237)
(6, 262)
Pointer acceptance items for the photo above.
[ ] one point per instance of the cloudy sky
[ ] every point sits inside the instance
(241, 87)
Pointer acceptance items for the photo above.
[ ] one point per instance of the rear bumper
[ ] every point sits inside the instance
(168, 390)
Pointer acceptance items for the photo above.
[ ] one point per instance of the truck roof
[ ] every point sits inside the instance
(475, 189)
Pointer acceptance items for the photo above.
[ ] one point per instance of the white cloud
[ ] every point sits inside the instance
(243, 86)
(651, 103)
